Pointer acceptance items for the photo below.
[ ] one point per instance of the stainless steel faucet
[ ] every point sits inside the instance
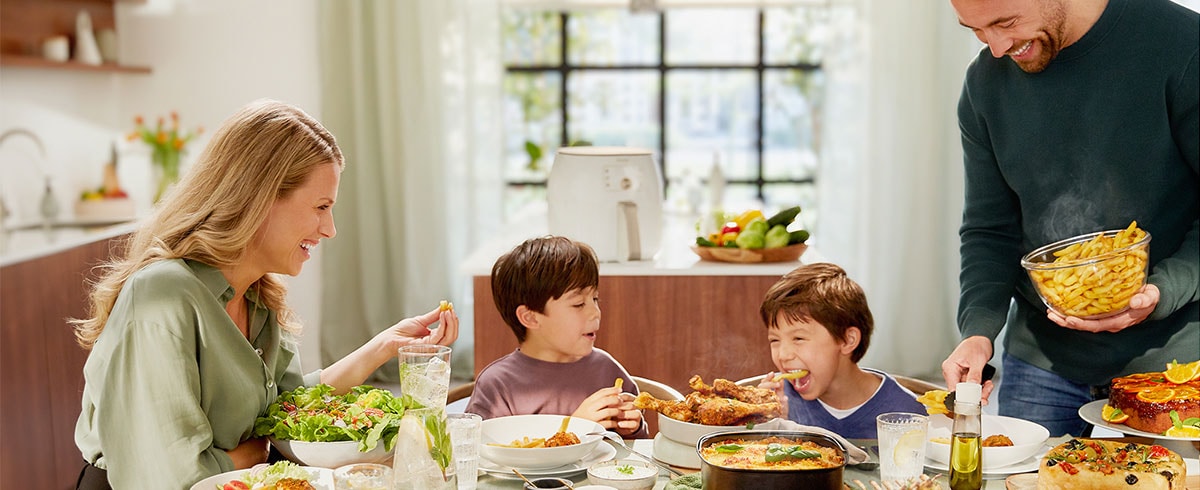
(4, 210)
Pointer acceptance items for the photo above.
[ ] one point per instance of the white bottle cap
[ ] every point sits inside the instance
(968, 393)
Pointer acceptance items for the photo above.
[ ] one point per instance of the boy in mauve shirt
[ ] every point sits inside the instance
(819, 326)
(547, 292)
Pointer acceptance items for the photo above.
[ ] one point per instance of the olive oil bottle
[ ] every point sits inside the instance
(966, 451)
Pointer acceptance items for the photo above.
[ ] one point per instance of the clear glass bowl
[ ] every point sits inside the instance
(1094, 287)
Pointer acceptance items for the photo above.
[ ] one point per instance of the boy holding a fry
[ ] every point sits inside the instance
(819, 327)
(546, 289)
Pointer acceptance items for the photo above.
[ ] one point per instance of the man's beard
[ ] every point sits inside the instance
(1050, 42)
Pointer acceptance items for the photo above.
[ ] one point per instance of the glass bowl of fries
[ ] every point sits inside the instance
(1091, 276)
(520, 441)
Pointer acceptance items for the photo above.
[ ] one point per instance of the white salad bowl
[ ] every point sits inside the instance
(329, 454)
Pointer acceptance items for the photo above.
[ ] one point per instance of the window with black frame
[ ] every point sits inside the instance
(742, 86)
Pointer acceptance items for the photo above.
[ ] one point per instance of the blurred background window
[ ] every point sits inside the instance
(741, 86)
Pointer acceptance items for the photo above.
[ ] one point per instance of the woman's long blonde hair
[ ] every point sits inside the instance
(260, 154)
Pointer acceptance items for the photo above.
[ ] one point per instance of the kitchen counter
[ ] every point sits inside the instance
(665, 319)
(41, 366)
(674, 258)
(24, 243)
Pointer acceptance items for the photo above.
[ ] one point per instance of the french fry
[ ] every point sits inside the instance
(617, 384)
(792, 375)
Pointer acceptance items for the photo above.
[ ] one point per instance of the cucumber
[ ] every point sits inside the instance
(784, 217)
(798, 236)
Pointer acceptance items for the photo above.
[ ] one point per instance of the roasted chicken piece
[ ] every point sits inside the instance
(728, 411)
(562, 437)
(293, 484)
(678, 410)
(728, 389)
(748, 394)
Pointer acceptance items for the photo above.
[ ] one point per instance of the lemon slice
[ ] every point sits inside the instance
(909, 445)
(1184, 431)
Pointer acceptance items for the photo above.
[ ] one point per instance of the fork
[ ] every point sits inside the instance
(621, 442)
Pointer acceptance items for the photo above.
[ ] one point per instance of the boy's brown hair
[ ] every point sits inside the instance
(539, 270)
(822, 293)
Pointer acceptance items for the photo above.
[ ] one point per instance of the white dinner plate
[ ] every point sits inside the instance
(323, 481)
(1030, 464)
(1092, 414)
(603, 452)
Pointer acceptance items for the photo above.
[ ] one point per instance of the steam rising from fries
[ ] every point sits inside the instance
(1087, 279)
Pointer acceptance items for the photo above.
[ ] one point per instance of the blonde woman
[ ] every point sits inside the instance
(190, 334)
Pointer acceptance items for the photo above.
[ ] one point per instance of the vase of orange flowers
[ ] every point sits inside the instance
(167, 145)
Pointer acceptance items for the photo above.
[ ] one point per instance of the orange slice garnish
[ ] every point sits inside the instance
(1186, 392)
(1156, 395)
(1182, 373)
(1113, 415)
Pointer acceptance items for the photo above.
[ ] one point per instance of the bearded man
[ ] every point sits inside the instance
(1078, 116)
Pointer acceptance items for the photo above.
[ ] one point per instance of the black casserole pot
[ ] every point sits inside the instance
(721, 478)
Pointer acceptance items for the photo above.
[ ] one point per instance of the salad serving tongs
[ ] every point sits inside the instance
(612, 436)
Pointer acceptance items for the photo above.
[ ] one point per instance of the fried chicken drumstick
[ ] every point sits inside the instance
(724, 403)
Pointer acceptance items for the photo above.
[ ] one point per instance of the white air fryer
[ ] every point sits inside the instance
(608, 197)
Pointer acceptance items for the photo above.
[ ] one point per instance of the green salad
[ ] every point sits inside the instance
(314, 414)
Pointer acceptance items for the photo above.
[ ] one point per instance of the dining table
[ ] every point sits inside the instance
(853, 475)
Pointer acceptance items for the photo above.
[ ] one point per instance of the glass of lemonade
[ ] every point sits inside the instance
(424, 455)
(425, 373)
(901, 445)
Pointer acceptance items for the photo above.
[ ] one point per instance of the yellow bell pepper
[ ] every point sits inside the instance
(745, 218)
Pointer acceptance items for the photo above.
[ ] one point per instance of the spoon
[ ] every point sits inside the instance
(615, 438)
(535, 486)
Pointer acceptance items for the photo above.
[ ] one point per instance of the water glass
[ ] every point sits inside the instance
(901, 445)
(425, 373)
(363, 476)
(466, 433)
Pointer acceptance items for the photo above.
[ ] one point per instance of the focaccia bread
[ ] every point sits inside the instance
(1100, 464)
(1149, 398)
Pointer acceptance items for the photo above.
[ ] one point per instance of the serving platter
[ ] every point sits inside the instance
(323, 481)
(1092, 414)
(603, 452)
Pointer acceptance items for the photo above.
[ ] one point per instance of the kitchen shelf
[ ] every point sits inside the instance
(35, 62)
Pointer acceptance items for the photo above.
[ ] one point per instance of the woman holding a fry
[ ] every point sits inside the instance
(1056, 145)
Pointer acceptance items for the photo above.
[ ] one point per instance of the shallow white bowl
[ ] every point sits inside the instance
(605, 473)
(1028, 437)
(687, 433)
(329, 454)
(504, 430)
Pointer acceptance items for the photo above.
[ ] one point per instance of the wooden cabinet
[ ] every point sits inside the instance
(41, 366)
(25, 24)
(662, 327)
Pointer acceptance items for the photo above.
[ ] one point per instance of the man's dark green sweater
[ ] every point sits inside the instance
(1107, 134)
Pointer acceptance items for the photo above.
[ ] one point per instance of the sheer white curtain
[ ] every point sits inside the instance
(410, 89)
(891, 182)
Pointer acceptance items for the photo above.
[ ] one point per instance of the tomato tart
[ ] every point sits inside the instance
(1102, 464)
